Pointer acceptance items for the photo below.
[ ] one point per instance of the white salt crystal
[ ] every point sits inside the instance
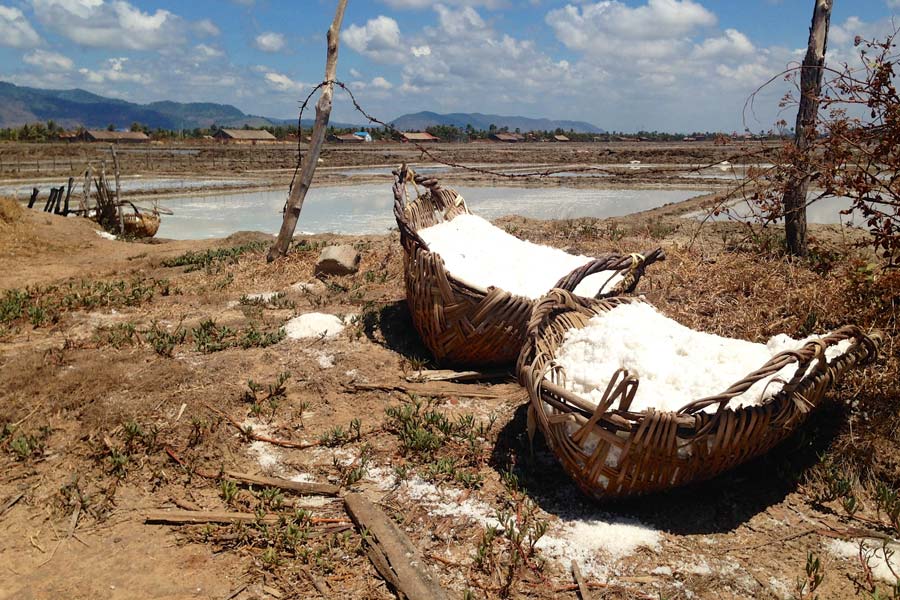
(313, 325)
(674, 364)
(479, 253)
(883, 567)
(106, 235)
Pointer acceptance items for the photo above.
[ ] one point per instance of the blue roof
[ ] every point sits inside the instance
(361, 133)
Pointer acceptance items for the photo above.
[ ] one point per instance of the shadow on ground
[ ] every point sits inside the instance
(716, 506)
(398, 333)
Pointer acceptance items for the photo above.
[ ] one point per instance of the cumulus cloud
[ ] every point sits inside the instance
(378, 39)
(204, 52)
(269, 41)
(114, 70)
(115, 24)
(15, 30)
(283, 83)
(48, 61)
(206, 27)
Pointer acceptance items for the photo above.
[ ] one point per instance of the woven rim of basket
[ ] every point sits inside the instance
(419, 213)
(560, 311)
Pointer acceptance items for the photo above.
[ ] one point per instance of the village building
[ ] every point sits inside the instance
(115, 137)
(418, 136)
(509, 138)
(561, 138)
(347, 138)
(244, 136)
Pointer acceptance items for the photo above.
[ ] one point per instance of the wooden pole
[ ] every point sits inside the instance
(68, 196)
(58, 209)
(34, 195)
(323, 113)
(86, 191)
(805, 130)
(48, 207)
(118, 197)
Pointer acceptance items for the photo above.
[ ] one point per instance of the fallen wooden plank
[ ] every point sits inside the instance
(579, 581)
(189, 517)
(462, 391)
(426, 375)
(393, 553)
(298, 487)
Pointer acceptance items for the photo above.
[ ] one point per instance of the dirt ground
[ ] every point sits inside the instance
(117, 397)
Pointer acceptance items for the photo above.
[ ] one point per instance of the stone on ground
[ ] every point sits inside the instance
(338, 260)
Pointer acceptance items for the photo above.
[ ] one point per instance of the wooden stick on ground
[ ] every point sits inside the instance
(426, 375)
(193, 517)
(297, 487)
(393, 553)
(323, 113)
(579, 580)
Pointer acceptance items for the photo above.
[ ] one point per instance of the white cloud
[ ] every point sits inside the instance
(283, 83)
(48, 61)
(423, 50)
(269, 41)
(381, 83)
(379, 39)
(114, 24)
(732, 44)
(15, 30)
(114, 71)
(466, 21)
(206, 27)
(203, 52)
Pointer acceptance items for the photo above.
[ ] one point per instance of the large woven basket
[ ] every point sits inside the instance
(611, 452)
(461, 323)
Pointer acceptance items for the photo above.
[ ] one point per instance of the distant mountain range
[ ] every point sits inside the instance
(73, 108)
(422, 120)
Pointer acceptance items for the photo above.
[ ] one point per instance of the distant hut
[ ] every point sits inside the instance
(509, 138)
(561, 138)
(116, 137)
(418, 136)
(348, 138)
(244, 136)
(363, 135)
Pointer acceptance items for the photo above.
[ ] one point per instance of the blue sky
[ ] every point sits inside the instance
(674, 65)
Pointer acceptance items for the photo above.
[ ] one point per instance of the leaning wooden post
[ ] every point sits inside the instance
(68, 195)
(86, 191)
(805, 130)
(34, 196)
(323, 113)
(118, 197)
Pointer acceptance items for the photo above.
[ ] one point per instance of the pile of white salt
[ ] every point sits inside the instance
(476, 252)
(674, 364)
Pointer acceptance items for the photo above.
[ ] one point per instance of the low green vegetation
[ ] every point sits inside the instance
(44, 305)
(213, 260)
(440, 447)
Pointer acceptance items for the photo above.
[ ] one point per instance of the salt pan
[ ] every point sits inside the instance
(674, 364)
(883, 567)
(479, 253)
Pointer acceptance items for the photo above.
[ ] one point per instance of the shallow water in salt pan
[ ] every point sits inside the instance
(368, 209)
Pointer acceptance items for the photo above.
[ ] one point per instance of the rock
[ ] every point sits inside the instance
(338, 260)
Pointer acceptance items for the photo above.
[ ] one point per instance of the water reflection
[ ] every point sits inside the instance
(365, 209)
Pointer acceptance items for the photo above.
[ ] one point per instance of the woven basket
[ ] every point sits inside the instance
(461, 323)
(611, 452)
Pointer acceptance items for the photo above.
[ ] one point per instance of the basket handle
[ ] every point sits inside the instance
(812, 350)
(634, 263)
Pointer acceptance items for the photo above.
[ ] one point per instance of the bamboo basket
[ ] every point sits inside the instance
(463, 324)
(141, 224)
(611, 452)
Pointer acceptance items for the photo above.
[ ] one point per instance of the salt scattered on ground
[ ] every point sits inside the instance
(267, 456)
(675, 364)
(477, 252)
(106, 235)
(883, 568)
(262, 296)
(596, 544)
(313, 325)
